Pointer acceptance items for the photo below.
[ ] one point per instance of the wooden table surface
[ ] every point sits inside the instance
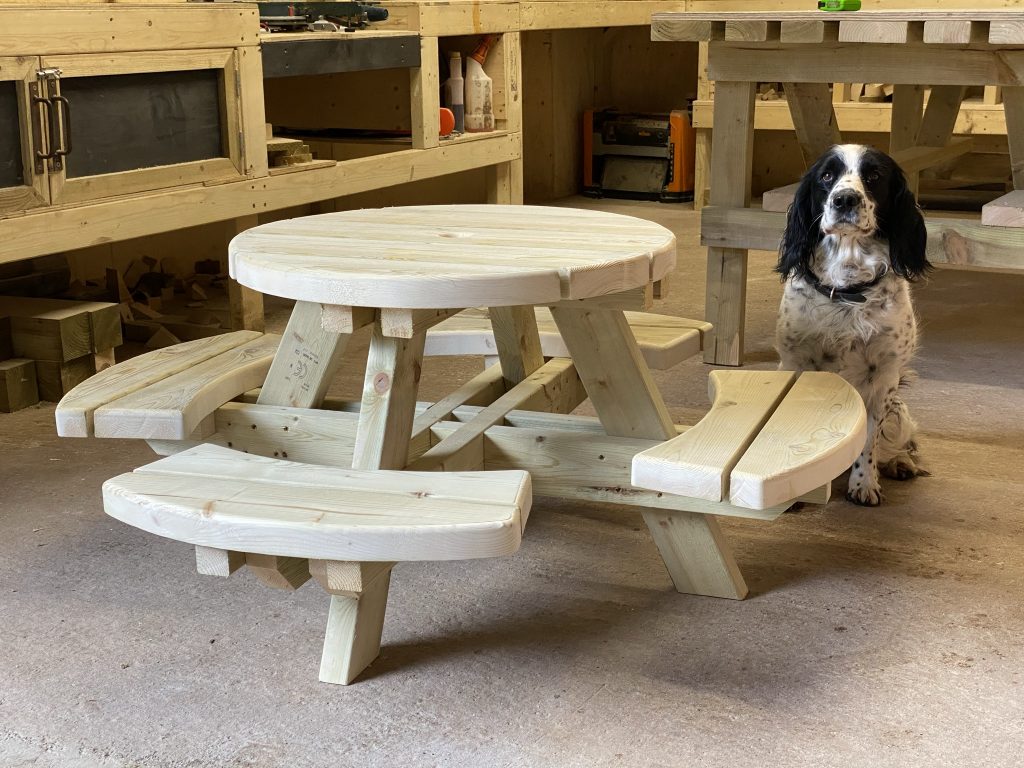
(452, 256)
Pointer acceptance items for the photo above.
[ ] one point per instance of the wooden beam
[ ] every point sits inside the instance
(956, 242)
(1013, 105)
(518, 342)
(1005, 211)
(732, 153)
(915, 159)
(814, 119)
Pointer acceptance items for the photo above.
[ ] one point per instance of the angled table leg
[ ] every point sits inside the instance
(356, 619)
(518, 342)
(619, 383)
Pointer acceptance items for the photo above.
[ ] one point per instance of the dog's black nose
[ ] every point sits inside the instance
(846, 200)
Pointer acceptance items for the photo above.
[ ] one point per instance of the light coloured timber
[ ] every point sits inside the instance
(452, 256)
(1013, 105)
(780, 198)
(129, 29)
(409, 323)
(306, 360)
(211, 561)
(1005, 211)
(425, 90)
(629, 405)
(664, 340)
(216, 497)
(814, 118)
(963, 243)
(246, 305)
(554, 387)
(814, 435)
(613, 371)
(355, 625)
(278, 572)
(34, 233)
(172, 408)
(732, 154)
(484, 388)
(826, 63)
(916, 159)
(347, 320)
(568, 457)
(347, 578)
(515, 334)
(698, 462)
(388, 405)
(74, 414)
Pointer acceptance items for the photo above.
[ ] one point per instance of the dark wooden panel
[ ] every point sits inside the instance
(291, 58)
(12, 174)
(123, 122)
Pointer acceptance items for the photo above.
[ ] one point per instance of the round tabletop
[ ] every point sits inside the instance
(452, 256)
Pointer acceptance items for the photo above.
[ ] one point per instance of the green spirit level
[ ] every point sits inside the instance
(838, 5)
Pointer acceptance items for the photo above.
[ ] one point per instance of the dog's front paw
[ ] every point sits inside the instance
(901, 468)
(865, 496)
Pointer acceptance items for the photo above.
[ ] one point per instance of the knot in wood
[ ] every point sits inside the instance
(381, 383)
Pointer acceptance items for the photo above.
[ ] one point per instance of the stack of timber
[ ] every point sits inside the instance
(283, 152)
(49, 346)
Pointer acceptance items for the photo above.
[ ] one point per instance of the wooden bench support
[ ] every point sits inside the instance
(294, 521)
(355, 623)
(698, 557)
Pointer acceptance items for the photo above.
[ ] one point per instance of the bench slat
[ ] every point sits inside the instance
(74, 413)
(216, 497)
(698, 462)
(664, 340)
(813, 436)
(172, 407)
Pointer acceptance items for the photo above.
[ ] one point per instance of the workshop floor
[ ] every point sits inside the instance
(872, 637)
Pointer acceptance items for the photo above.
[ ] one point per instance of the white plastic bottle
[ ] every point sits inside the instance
(479, 89)
(454, 90)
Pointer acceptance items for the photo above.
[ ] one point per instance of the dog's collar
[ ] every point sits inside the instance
(853, 294)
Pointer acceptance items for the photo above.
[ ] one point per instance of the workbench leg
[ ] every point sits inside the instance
(939, 121)
(732, 152)
(613, 370)
(245, 303)
(702, 159)
(905, 124)
(424, 89)
(810, 106)
(505, 183)
(1013, 106)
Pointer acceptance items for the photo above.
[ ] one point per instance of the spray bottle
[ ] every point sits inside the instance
(479, 89)
(454, 90)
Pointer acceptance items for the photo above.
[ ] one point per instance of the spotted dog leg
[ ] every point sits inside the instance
(864, 488)
(896, 450)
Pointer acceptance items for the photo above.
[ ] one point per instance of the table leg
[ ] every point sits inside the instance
(732, 152)
(306, 361)
(619, 383)
(518, 342)
(905, 123)
(356, 619)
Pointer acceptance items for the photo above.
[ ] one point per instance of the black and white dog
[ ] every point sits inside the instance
(854, 240)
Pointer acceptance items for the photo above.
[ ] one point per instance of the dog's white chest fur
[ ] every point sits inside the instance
(864, 343)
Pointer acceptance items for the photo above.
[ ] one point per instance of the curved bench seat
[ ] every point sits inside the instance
(663, 340)
(217, 497)
(769, 438)
(345, 528)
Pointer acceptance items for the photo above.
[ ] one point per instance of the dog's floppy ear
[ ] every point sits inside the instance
(903, 226)
(803, 228)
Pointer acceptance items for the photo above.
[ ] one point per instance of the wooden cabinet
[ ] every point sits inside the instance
(23, 182)
(80, 122)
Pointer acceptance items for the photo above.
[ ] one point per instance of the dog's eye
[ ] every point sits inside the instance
(827, 176)
(873, 176)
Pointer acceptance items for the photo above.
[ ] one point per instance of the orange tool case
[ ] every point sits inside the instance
(638, 155)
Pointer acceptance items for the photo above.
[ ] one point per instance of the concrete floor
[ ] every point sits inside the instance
(872, 637)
